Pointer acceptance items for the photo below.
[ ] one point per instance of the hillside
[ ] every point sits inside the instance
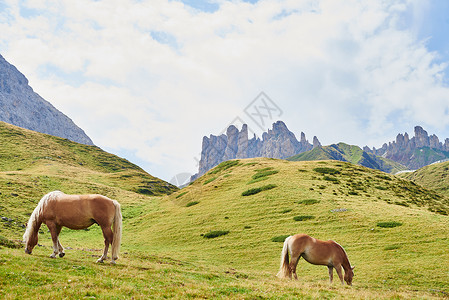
(336, 200)
(32, 164)
(434, 177)
(349, 153)
(165, 250)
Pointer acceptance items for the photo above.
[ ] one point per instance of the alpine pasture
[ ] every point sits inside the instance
(221, 236)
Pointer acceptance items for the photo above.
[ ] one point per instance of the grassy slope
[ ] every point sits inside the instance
(349, 153)
(33, 164)
(404, 258)
(164, 255)
(435, 177)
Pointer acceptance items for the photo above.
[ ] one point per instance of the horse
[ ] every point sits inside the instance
(57, 209)
(327, 253)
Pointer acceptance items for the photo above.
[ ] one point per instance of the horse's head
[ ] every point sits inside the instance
(348, 275)
(30, 243)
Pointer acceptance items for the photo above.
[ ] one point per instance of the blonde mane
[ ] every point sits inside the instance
(34, 218)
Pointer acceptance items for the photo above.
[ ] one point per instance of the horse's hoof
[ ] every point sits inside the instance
(113, 262)
(61, 254)
(100, 261)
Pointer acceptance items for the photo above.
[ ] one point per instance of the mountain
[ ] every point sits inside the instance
(21, 106)
(415, 152)
(349, 153)
(278, 142)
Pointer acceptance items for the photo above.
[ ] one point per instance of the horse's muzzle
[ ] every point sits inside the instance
(27, 251)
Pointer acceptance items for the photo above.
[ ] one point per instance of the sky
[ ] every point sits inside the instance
(146, 80)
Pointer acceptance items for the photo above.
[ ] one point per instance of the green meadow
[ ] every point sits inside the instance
(221, 236)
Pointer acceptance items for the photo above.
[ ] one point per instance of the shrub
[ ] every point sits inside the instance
(389, 224)
(326, 170)
(333, 179)
(258, 189)
(209, 180)
(308, 201)
(392, 247)
(264, 173)
(191, 203)
(224, 166)
(303, 218)
(383, 177)
(180, 195)
(280, 238)
(214, 234)
(8, 243)
(381, 188)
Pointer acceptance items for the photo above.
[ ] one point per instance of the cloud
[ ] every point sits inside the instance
(148, 79)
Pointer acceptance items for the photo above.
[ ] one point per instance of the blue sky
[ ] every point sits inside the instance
(147, 80)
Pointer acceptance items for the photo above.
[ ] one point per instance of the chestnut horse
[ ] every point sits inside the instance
(57, 209)
(326, 253)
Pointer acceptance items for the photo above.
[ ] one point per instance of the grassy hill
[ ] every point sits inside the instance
(349, 153)
(221, 236)
(434, 177)
(32, 164)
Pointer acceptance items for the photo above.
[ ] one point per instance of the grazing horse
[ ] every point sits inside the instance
(57, 209)
(326, 253)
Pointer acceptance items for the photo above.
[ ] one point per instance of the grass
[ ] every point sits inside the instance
(164, 255)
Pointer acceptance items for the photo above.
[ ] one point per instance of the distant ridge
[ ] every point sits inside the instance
(352, 154)
(402, 154)
(416, 152)
(21, 106)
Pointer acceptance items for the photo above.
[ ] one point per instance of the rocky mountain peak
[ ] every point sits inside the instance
(21, 106)
(403, 149)
(278, 142)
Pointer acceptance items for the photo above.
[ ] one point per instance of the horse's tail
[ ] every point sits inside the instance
(117, 231)
(284, 269)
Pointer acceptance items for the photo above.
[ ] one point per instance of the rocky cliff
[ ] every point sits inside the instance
(278, 142)
(415, 152)
(21, 106)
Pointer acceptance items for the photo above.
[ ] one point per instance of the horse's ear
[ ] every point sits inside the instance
(353, 267)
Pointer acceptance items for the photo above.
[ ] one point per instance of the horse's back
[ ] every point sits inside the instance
(80, 211)
(315, 251)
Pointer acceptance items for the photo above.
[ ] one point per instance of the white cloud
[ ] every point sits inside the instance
(148, 79)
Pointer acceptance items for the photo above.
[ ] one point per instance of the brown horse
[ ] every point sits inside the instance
(326, 253)
(57, 209)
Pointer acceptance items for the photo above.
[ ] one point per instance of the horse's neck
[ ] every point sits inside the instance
(345, 261)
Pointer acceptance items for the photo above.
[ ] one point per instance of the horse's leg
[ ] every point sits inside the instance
(54, 237)
(60, 248)
(108, 237)
(338, 269)
(293, 264)
(331, 273)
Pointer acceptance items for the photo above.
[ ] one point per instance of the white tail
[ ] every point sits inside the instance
(284, 269)
(117, 231)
